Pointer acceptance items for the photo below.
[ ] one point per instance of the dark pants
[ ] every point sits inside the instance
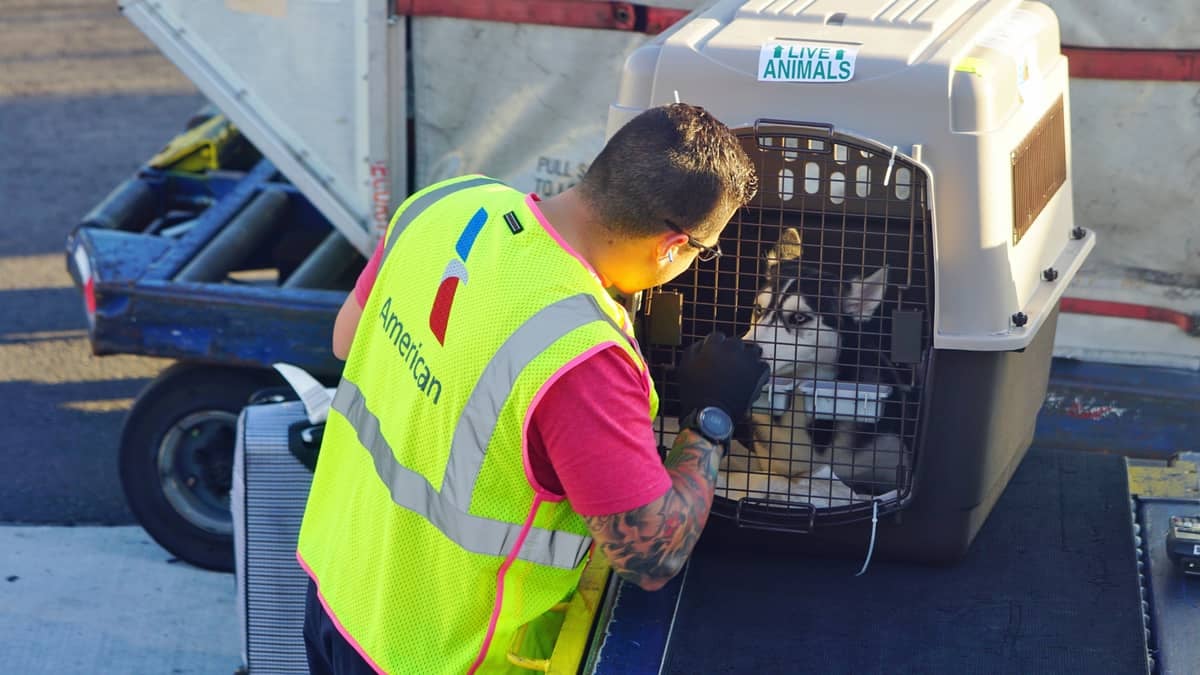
(328, 652)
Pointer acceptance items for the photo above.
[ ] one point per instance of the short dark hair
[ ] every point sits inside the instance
(673, 163)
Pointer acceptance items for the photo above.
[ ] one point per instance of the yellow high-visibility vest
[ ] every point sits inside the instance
(427, 541)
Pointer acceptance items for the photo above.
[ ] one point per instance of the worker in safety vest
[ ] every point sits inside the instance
(495, 414)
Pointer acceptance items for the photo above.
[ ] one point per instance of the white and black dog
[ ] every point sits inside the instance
(795, 322)
(814, 327)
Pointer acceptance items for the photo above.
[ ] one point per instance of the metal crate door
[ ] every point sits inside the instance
(828, 269)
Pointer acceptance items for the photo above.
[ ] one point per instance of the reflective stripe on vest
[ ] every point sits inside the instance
(418, 206)
(446, 510)
(479, 417)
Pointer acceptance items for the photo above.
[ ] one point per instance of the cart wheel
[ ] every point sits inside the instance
(176, 458)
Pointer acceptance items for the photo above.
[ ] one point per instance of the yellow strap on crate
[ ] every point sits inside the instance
(973, 65)
(571, 645)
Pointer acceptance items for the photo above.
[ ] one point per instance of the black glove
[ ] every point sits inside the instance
(724, 372)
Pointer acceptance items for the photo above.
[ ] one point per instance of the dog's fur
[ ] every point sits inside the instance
(795, 323)
(814, 327)
(869, 455)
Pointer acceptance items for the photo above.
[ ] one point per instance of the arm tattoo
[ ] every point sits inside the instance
(648, 546)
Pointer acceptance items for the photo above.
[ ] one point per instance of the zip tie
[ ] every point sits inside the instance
(888, 175)
(677, 96)
(871, 548)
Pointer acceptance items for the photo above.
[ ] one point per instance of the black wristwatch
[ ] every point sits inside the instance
(712, 423)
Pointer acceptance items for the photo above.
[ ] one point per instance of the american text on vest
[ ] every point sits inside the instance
(410, 352)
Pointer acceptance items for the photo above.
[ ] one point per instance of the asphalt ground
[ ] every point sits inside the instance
(84, 99)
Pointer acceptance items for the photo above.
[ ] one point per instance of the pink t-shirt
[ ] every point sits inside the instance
(592, 444)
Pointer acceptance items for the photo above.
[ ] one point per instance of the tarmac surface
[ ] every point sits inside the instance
(103, 600)
(84, 99)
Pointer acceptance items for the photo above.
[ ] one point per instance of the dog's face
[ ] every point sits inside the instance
(795, 315)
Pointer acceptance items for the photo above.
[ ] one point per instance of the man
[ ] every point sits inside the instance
(494, 417)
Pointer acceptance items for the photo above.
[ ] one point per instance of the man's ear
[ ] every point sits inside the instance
(669, 241)
(789, 248)
(862, 297)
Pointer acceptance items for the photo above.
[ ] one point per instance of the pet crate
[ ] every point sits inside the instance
(901, 264)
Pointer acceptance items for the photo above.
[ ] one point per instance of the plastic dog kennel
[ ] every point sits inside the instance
(901, 264)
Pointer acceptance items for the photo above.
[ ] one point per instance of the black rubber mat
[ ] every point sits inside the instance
(1049, 586)
(1174, 596)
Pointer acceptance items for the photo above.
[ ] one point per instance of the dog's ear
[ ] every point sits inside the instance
(862, 297)
(789, 248)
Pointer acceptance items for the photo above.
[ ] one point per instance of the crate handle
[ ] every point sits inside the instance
(747, 514)
(818, 131)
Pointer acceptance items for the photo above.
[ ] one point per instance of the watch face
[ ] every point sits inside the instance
(715, 423)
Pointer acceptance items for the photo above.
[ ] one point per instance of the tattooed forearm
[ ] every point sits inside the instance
(648, 546)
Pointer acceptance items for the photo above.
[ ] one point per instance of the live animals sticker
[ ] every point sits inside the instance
(796, 61)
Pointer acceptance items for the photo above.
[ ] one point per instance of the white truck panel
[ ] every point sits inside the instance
(523, 103)
(308, 83)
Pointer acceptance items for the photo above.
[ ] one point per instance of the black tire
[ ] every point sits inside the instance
(176, 458)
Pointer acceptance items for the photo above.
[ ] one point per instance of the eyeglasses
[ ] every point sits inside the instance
(706, 252)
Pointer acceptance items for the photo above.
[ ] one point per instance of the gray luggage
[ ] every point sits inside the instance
(269, 492)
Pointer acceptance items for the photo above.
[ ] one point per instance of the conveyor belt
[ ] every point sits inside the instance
(1050, 585)
(1174, 599)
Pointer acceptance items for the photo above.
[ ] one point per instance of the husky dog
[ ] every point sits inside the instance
(869, 455)
(795, 322)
